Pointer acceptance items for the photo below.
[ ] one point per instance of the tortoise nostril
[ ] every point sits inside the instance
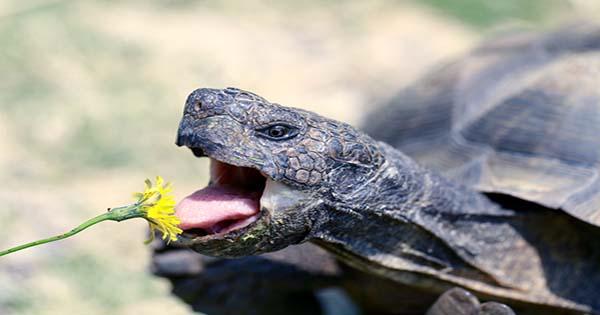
(197, 106)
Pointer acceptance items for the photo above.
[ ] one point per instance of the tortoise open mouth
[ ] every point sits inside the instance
(230, 203)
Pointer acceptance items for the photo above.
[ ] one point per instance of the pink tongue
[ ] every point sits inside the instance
(211, 205)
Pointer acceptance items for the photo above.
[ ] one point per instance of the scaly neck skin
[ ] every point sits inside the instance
(420, 228)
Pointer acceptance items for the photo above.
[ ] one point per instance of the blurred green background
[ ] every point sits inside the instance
(91, 93)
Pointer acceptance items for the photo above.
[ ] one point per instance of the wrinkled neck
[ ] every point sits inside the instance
(409, 208)
(402, 192)
(415, 221)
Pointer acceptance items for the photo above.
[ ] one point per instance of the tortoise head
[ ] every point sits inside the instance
(275, 172)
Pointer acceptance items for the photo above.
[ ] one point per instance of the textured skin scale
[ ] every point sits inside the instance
(404, 229)
(519, 116)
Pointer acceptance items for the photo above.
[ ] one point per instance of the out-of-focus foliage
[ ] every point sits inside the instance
(487, 13)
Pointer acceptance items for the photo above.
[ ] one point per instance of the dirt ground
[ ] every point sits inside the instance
(91, 93)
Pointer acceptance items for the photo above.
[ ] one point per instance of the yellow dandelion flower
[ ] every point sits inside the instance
(158, 206)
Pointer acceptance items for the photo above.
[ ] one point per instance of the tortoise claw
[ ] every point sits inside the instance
(458, 301)
(455, 301)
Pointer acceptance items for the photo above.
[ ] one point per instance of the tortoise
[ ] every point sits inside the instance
(483, 175)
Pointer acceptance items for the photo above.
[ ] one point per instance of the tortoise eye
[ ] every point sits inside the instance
(278, 132)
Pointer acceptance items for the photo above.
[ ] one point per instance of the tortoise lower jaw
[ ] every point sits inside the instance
(242, 212)
(246, 241)
(192, 238)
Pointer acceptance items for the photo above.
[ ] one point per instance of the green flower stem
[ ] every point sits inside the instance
(116, 214)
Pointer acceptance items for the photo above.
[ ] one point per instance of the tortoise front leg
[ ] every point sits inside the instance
(458, 301)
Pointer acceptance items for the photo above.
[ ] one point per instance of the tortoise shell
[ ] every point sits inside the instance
(519, 116)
